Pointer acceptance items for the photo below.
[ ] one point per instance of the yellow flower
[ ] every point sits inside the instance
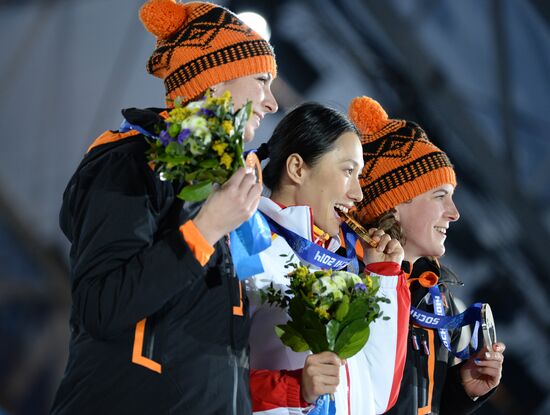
(301, 272)
(227, 127)
(177, 115)
(368, 282)
(219, 147)
(226, 160)
(322, 312)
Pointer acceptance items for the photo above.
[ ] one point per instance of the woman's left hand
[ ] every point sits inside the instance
(482, 372)
(387, 250)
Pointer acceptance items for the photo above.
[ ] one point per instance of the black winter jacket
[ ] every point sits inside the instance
(431, 384)
(152, 331)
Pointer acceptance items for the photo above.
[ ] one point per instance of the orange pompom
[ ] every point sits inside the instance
(367, 115)
(163, 17)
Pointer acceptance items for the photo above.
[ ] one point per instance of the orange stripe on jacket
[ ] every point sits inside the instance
(137, 356)
(198, 245)
(431, 369)
(114, 136)
(111, 137)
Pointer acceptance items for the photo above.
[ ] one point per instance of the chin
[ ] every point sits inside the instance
(333, 231)
(437, 253)
(248, 135)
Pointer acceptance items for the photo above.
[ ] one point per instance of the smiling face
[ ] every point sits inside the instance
(425, 220)
(333, 181)
(255, 88)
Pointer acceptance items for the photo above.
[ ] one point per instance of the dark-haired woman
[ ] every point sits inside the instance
(315, 160)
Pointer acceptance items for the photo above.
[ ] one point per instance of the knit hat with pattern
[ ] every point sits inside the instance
(200, 45)
(400, 161)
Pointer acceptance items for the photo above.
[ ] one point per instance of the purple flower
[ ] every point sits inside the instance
(206, 111)
(360, 286)
(165, 138)
(182, 136)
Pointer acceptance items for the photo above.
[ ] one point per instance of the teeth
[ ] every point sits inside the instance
(341, 207)
(441, 229)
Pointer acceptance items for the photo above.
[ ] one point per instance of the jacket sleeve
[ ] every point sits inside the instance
(123, 268)
(277, 390)
(386, 348)
(454, 400)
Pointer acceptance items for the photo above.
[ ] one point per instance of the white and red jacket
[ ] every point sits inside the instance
(369, 382)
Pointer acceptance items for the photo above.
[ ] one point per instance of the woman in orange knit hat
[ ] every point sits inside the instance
(408, 185)
(159, 322)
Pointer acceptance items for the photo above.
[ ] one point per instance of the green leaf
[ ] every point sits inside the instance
(359, 308)
(296, 309)
(343, 309)
(332, 329)
(291, 338)
(316, 340)
(352, 338)
(209, 163)
(196, 192)
(242, 116)
(308, 323)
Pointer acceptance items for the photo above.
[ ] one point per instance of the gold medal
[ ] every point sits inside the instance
(357, 228)
(253, 162)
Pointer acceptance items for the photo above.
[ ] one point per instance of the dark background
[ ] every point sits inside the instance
(474, 73)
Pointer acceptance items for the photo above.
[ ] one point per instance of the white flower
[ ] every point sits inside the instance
(195, 105)
(194, 122)
(326, 287)
(349, 278)
(199, 128)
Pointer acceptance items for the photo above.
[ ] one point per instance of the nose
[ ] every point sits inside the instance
(270, 103)
(355, 193)
(452, 212)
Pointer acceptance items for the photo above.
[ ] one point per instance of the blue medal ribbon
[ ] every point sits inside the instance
(350, 238)
(312, 253)
(125, 126)
(247, 241)
(324, 406)
(442, 323)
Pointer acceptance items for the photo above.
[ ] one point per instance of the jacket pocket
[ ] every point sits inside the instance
(143, 352)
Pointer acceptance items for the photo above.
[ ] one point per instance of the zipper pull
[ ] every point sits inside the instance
(415, 342)
(425, 348)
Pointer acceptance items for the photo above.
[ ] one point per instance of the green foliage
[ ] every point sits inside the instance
(329, 311)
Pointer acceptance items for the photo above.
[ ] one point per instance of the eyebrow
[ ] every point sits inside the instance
(446, 192)
(351, 161)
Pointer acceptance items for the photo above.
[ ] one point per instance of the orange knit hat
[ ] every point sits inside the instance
(200, 45)
(400, 162)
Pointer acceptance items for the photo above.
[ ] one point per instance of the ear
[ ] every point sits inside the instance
(396, 214)
(296, 168)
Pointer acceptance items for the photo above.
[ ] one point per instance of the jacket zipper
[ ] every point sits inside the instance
(229, 275)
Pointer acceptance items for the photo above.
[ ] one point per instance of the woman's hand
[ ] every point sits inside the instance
(321, 375)
(482, 372)
(230, 206)
(387, 250)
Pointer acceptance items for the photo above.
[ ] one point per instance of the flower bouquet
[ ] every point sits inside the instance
(328, 310)
(200, 144)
